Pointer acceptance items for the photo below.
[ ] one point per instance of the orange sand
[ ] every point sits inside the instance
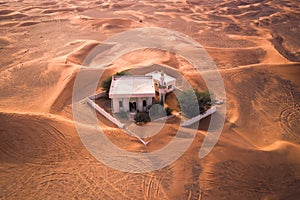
(256, 48)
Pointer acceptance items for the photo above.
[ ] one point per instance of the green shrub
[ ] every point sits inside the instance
(193, 102)
(142, 117)
(157, 111)
(169, 111)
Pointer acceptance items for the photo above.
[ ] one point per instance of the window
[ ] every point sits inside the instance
(120, 104)
(170, 87)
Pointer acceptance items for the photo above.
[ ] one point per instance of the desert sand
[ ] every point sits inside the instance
(255, 45)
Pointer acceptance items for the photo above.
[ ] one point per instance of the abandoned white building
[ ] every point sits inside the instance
(133, 93)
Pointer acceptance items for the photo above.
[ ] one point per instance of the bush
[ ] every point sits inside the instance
(142, 117)
(188, 103)
(157, 111)
(169, 111)
(193, 102)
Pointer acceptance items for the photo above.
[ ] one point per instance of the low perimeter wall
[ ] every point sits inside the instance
(97, 96)
(199, 117)
(104, 113)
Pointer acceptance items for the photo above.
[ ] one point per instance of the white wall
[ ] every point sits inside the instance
(199, 117)
(115, 105)
(139, 104)
(104, 113)
(149, 101)
(97, 96)
(126, 104)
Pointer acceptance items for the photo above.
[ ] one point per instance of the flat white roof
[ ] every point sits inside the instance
(132, 86)
(157, 74)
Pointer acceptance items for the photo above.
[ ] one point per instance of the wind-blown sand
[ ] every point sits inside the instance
(255, 45)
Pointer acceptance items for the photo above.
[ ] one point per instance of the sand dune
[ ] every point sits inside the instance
(255, 45)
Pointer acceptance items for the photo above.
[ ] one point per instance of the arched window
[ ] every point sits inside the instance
(144, 103)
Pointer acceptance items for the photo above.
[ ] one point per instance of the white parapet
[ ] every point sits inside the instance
(104, 113)
(97, 95)
(199, 117)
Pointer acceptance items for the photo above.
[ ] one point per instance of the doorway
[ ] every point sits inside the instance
(132, 106)
(145, 105)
